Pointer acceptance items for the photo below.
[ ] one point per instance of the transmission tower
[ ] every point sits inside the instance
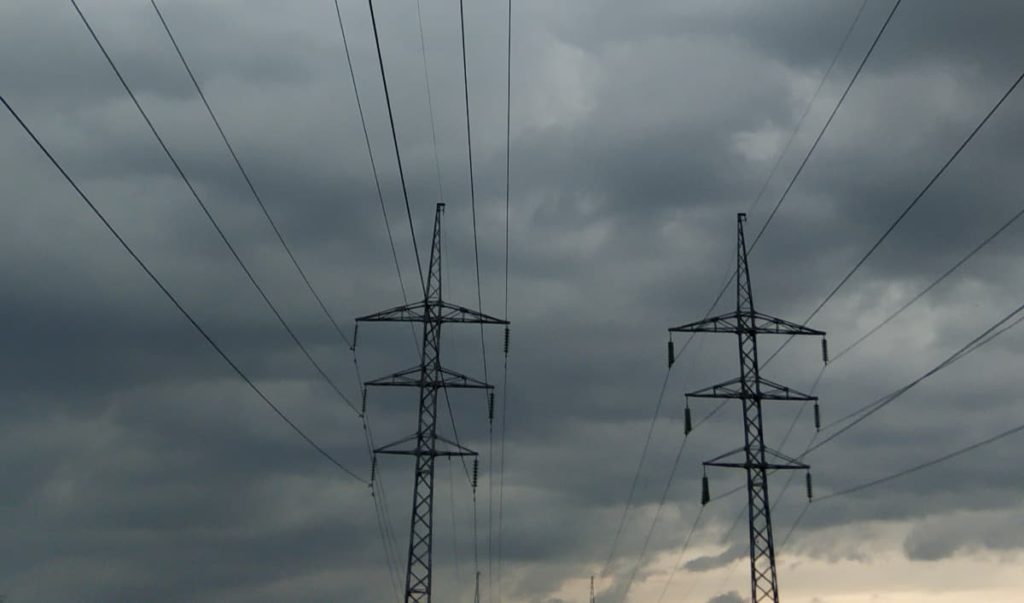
(751, 388)
(430, 378)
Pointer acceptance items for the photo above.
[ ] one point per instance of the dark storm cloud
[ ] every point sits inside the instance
(139, 469)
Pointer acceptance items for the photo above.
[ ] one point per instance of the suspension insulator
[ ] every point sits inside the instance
(810, 489)
(490, 407)
(476, 472)
(671, 353)
(355, 336)
(824, 350)
(364, 400)
(687, 419)
(817, 417)
(373, 470)
(506, 341)
(705, 490)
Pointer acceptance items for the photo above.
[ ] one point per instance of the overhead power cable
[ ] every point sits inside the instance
(991, 333)
(502, 428)
(209, 216)
(369, 151)
(925, 465)
(991, 237)
(174, 300)
(480, 305)
(828, 122)
(906, 210)
(807, 110)
(248, 180)
(394, 139)
(664, 498)
(731, 273)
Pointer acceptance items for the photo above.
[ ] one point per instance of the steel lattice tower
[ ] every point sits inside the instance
(751, 388)
(430, 377)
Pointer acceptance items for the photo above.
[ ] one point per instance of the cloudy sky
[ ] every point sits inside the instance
(138, 467)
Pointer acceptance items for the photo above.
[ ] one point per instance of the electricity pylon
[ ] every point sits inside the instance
(751, 388)
(430, 377)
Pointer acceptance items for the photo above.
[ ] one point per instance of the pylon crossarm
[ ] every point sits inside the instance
(452, 313)
(769, 390)
(723, 323)
(451, 448)
(415, 312)
(443, 311)
(413, 377)
(734, 322)
(784, 462)
(770, 325)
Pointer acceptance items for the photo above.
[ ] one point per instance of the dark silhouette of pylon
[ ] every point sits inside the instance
(751, 388)
(430, 377)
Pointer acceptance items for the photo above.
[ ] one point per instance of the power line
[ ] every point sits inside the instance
(174, 300)
(664, 499)
(394, 139)
(369, 150)
(807, 109)
(931, 286)
(480, 304)
(926, 464)
(248, 180)
(866, 411)
(502, 428)
(814, 145)
(686, 545)
(430, 101)
(828, 122)
(209, 216)
(910, 206)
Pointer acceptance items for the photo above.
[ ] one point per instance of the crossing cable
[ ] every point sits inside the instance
(480, 304)
(906, 210)
(682, 552)
(664, 499)
(209, 216)
(905, 472)
(858, 416)
(984, 243)
(925, 465)
(731, 274)
(810, 104)
(369, 151)
(430, 100)
(249, 183)
(394, 139)
(643, 452)
(828, 122)
(174, 300)
(679, 562)
(502, 428)
(388, 524)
